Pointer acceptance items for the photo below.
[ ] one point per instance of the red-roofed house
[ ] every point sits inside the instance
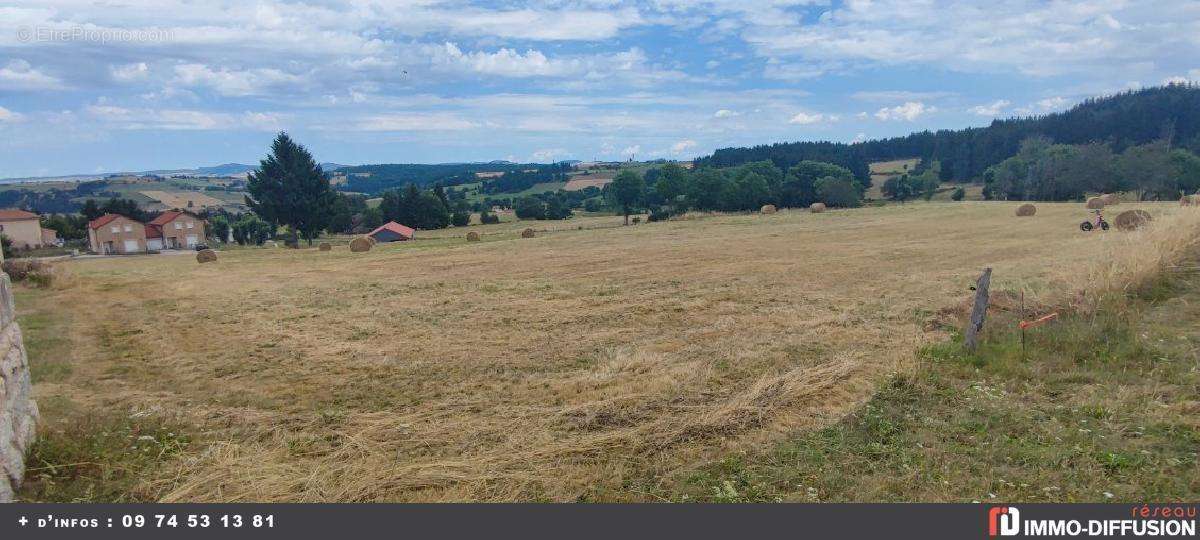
(114, 233)
(23, 228)
(392, 232)
(175, 229)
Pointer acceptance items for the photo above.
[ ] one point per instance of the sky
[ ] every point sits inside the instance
(128, 85)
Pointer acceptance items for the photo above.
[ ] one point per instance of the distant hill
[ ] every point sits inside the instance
(226, 169)
(373, 179)
(1122, 120)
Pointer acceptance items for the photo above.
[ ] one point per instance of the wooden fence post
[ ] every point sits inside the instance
(975, 325)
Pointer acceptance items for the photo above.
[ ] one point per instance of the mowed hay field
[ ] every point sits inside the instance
(593, 364)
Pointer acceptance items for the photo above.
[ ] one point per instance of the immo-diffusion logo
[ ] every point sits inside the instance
(1145, 520)
(1004, 521)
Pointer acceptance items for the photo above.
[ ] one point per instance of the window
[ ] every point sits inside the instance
(178, 225)
(114, 229)
(191, 225)
(128, 228)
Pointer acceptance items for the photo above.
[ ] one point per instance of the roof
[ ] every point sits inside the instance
(153, 231)
(16, 215)
(103, 220)
(397, 228)
(167, 217)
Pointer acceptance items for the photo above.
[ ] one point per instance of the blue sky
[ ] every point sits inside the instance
(89, 87)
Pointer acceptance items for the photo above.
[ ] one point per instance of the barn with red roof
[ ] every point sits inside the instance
(392, 232)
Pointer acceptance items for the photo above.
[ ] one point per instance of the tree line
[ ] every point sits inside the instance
(1045, 171)
(673, 189)
(1131, 118)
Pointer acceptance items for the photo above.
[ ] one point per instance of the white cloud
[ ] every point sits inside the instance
(412, 122)
(1050, 104)
(1176, 80)
(631, 151)
(859, 137)
(504, 62)
(725, 113)
(994, 108)
(803, 118)
(909, 111)
(549, 155)
(228, 82)
(20, 75)
(1027, 36)
(682, 146)
(8, 116)
(130, 72)
(117, 117)
(898, 95)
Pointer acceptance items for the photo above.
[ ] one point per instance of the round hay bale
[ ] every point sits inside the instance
(528, 233)
(817, 208)
(1095, 203)
(325, 246)
(1110, 199)
(371, 239)
(472, 236)
(206, 256)
(1026, 210)
(361, 244)
(768, 209)
(1130, 220)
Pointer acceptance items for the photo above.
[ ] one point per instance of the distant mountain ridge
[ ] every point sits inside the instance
(224, 169)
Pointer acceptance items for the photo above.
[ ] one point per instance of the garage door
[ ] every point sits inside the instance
(131, 245)
(191, 240)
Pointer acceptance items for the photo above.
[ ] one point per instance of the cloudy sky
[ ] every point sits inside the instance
(105, 86)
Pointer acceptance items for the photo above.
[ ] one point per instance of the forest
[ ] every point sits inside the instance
(392, 176)
(1130, 118)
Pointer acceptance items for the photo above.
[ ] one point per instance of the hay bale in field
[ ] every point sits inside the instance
(206, 256)
(768, 209)
(1110, 199)
(1130, 220)
(361, 244)
(325, 246)
(817, 207)
(1186, 200)
(472, 236)
(528, 233)
(1095, 203)
(1026, 210)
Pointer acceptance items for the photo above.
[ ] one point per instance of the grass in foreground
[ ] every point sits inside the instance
(1100, 408)
(571, 366)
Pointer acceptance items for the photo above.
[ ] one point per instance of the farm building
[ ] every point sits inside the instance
(392, 232)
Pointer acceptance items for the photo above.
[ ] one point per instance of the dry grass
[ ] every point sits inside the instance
(181, 199)
(583, 181)
(566, 367)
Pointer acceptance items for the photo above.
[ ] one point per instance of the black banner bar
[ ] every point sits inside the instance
(600, 521)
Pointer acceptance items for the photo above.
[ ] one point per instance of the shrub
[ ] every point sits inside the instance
(958, 194)
(488, 218)
(460, 219)
(530, 208)
(659, 213)
(37, 273)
